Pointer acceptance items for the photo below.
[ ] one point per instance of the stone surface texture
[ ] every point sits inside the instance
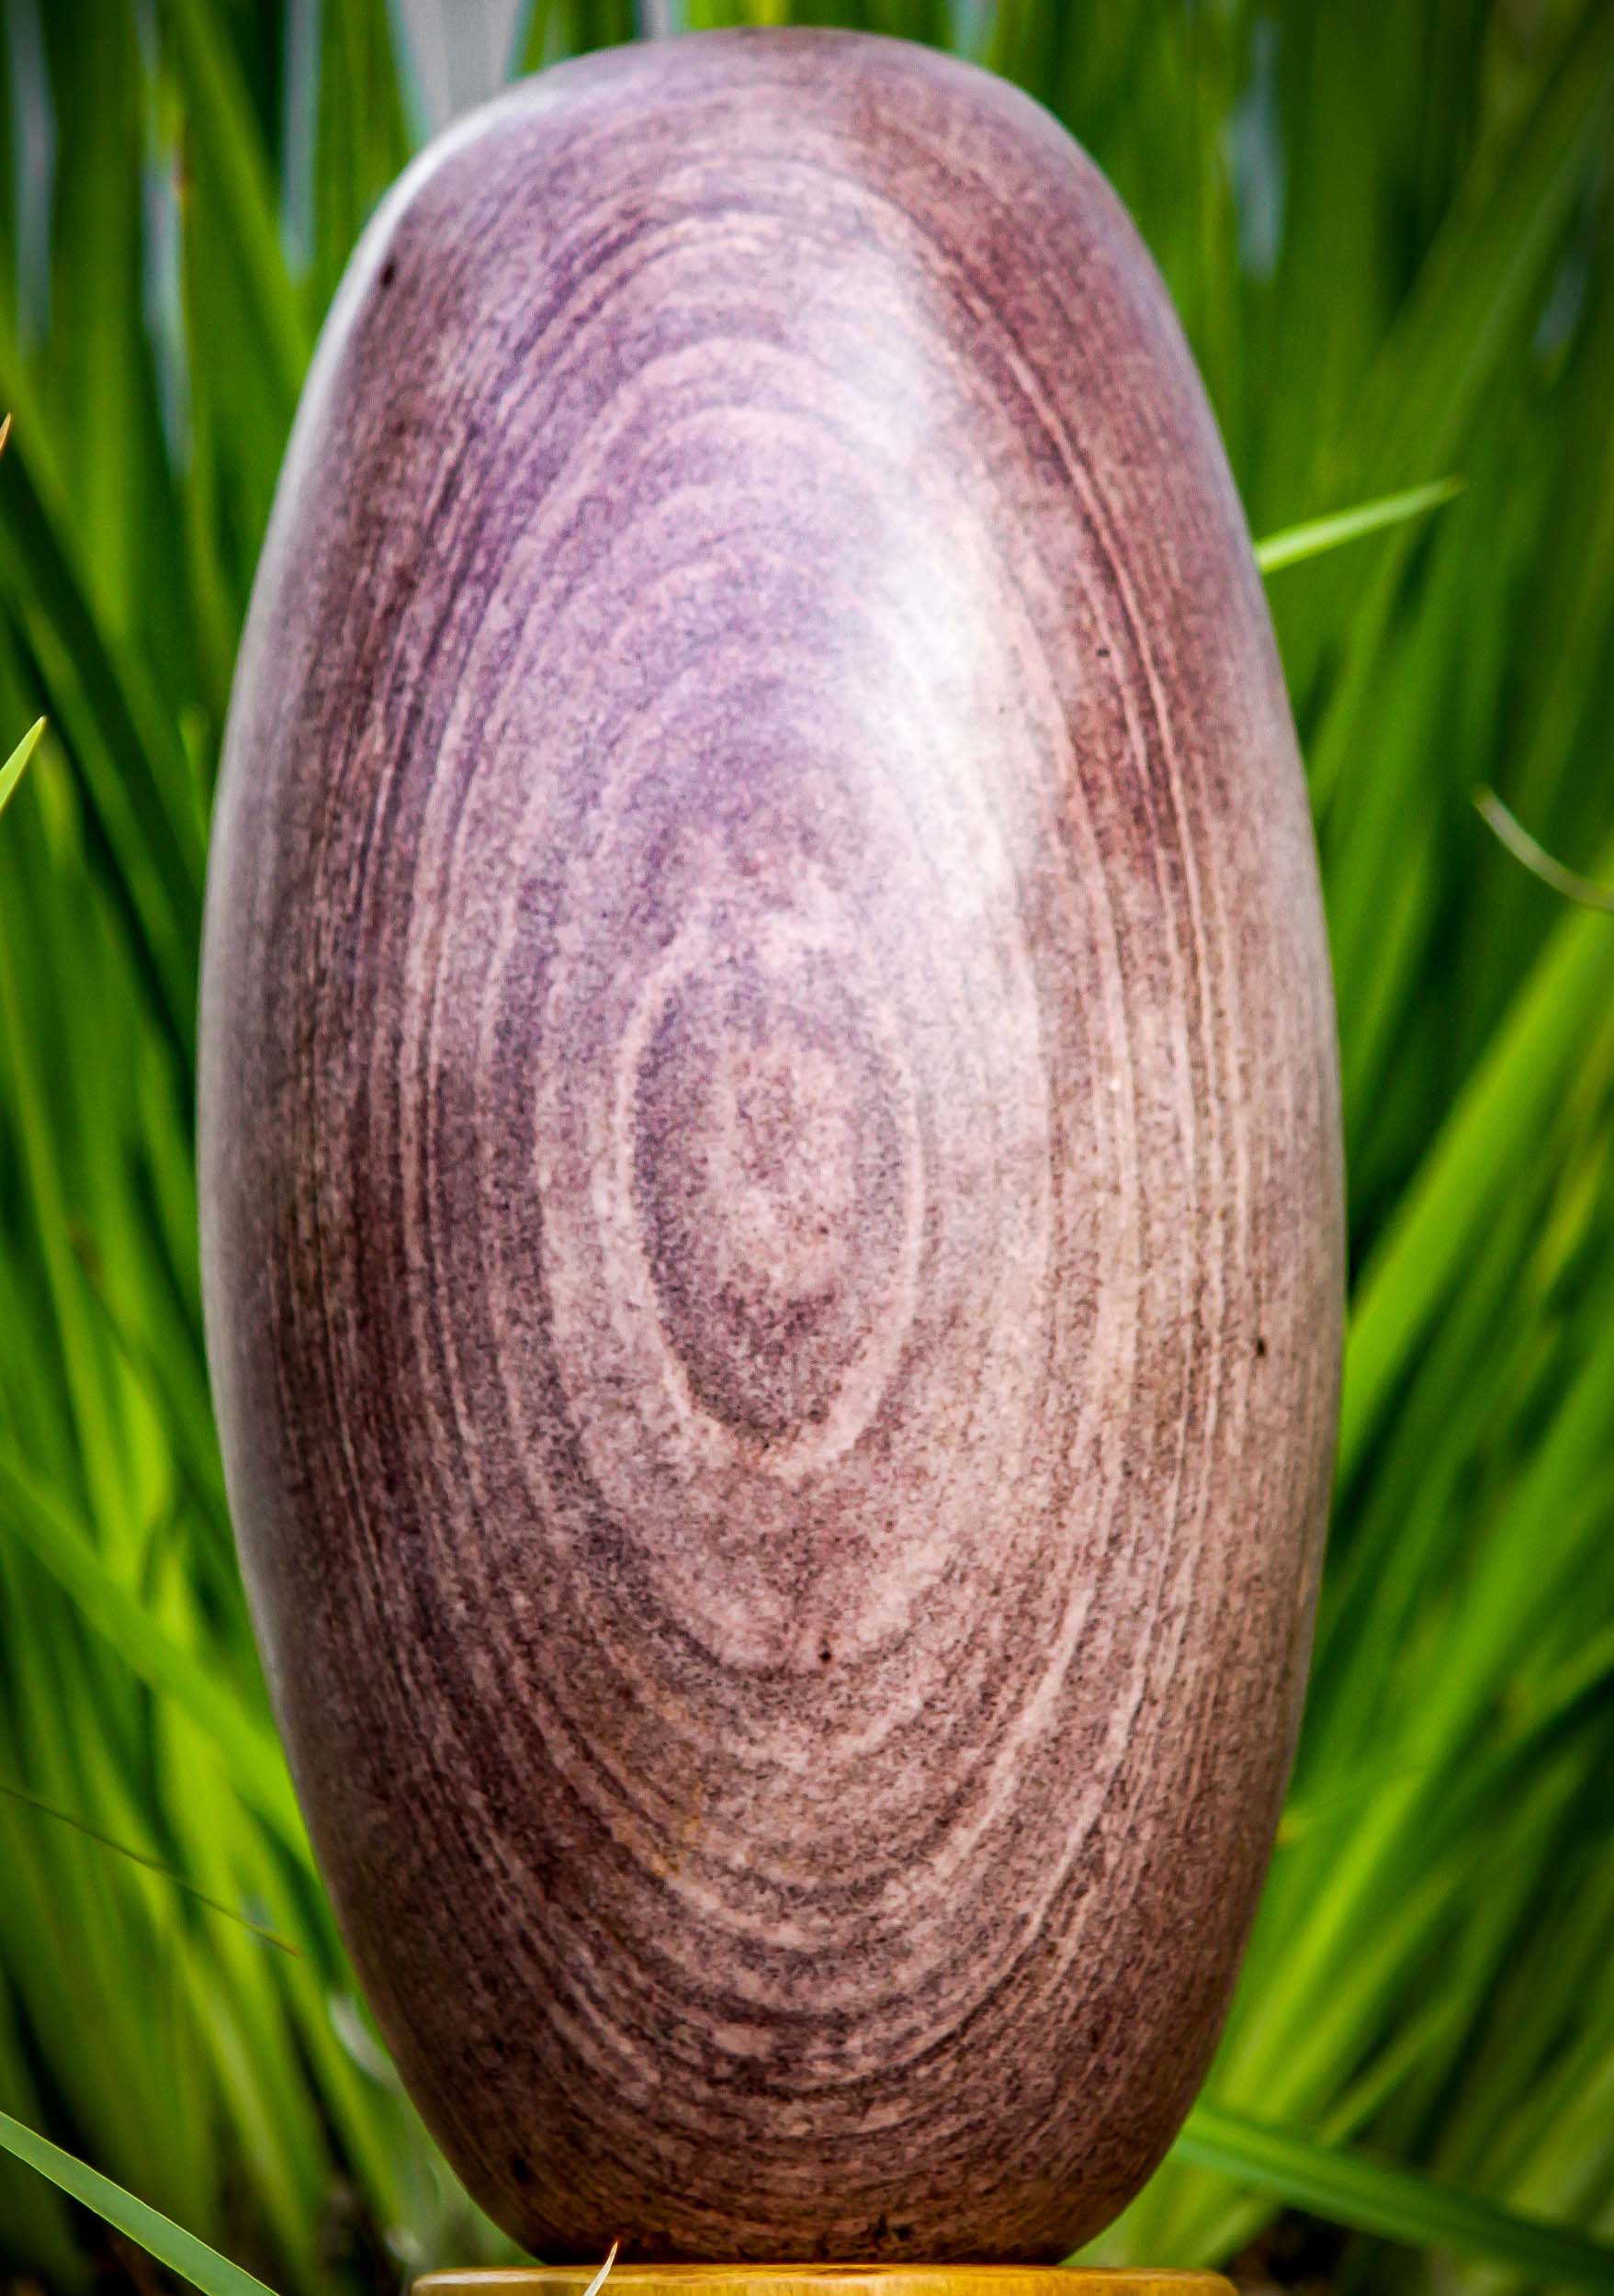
(771, 1167)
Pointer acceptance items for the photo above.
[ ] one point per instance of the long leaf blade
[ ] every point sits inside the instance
(181, 2251)
(1394, 2203)
(12, 770)
(1309, 540)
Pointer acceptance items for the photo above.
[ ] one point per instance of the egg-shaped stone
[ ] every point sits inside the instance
(771, 1164)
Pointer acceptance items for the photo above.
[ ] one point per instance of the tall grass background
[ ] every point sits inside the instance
(1388, 230)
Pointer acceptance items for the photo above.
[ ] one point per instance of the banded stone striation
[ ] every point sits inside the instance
(771, 1167)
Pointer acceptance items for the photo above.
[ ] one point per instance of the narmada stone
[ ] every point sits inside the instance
(770, 1162)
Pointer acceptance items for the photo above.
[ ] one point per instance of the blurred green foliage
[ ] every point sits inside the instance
(1390, 232)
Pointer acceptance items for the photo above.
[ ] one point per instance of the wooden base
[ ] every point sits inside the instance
(825, 2280)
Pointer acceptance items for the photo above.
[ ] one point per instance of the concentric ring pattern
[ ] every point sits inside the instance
(770, 1162)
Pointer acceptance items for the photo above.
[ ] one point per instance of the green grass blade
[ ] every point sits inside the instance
(1449, 1204)
(219, 116)
(149, 1865)
(1477, 289)
(1292, 544)
(1394, 2203)
(247, 1746)
(171, 2245)
(11, 771)
(1511, 832)
(126, 760)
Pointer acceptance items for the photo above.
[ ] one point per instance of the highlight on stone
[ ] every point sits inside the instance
(770, 1162)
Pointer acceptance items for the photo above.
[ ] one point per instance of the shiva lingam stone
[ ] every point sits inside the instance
(771, 1165)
